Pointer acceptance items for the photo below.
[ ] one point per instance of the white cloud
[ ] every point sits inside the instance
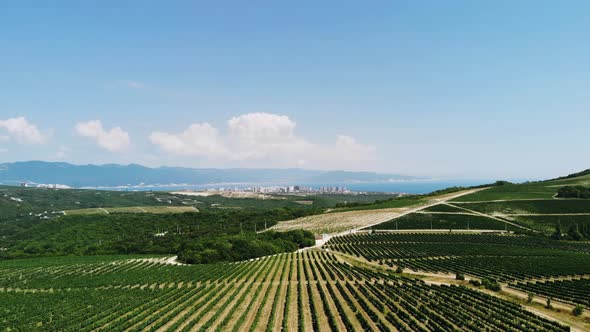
(264, 140)
(200, 139)
(4, 138)
(114, 140)
(22, 130)
(257, 136)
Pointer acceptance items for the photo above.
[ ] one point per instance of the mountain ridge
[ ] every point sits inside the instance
(110, 175)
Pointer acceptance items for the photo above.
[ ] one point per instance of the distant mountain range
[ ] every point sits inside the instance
(113, 175)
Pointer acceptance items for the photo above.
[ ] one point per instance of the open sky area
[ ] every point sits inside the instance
(493, 89)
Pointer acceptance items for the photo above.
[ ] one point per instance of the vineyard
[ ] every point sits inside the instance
(576, 291)
(443, 220)
(297, 292)
(543, 206)
(546, 223)
(505, 258)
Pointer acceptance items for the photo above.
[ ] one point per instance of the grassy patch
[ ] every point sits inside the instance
(547, 223)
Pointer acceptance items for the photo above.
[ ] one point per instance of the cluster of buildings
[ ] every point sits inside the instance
(286, 190)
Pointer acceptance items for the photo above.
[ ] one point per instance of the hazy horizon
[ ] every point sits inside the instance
(456, 89)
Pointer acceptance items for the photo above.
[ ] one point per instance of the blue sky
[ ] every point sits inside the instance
(493, 89)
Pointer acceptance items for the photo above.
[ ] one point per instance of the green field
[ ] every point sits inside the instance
(547, 224)
(504, 258)
(546, 206)
(443, 221)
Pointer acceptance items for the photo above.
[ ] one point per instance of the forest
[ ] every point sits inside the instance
(228, 235)
(574, 192)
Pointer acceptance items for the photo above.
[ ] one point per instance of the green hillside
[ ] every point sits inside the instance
(538, 206)
(528, 190)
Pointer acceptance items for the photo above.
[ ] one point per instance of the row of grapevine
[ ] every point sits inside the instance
(576, 291)
(309, 291)
(503, 257)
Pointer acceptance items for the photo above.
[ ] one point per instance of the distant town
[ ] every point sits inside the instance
(291, 190)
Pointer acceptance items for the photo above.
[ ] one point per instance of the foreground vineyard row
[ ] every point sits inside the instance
(296, 292)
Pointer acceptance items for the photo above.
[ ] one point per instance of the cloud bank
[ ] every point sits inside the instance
(114, 140)
(263, 140)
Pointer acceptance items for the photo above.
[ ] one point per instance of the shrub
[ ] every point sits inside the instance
(459, 276)
(399, 269)
(548, 305)
(475, 283)
(574, 192)
(578, 310)
(492, 285)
